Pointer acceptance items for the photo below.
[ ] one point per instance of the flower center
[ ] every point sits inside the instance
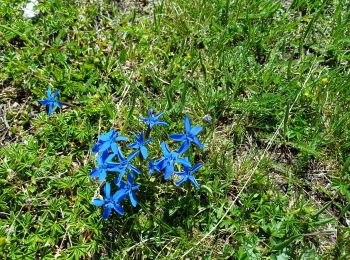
(189, 135)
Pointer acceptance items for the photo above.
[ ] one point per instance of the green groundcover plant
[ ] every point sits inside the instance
(267, 80)
(107, 149)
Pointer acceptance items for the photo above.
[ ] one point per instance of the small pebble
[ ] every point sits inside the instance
(207, 118)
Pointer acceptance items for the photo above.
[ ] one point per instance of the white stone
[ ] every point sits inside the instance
(29, 11)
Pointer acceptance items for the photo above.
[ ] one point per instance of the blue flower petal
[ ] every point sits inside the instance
(182, 180)
(197, 142)
(56, 93)
(197, 167)
(111, 133)
(115, 148)
(107, 190)
(193, 180)
(96, 147)
(135, 187)
(165, 149)
(184, 147)
(156, 117)
(104, 137)
(134, 169)
(168, 171)
(58, 104)
(120, 194)
(141, 137)
(103, 175)
(113, 167)
(102, 157)
(161, 123)
(178, 137)
(160, 164)
(133, 199)
(44, 102)
(95, 173)
(48, 92)
(183, 162)
(119, 209)
(150, 112)
(132, 156)
(51, 107)
(149, 140)
(130, 179)
(107, 212)
(144, 119)
(120, 156)
(151, 166)
(187, 125)
(109, 157)
(196, 130)
(134, 146)
(98, 202)
(121, 138)
(120, 177)
(144, 152)
(105, 146)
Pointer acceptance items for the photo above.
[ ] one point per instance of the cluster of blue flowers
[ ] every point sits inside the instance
(107, 149)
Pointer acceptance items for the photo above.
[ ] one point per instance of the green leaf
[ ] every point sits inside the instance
(286, 242)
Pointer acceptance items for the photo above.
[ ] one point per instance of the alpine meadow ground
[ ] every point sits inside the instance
(267, 81)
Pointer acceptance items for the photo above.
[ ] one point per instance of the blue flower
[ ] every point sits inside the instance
(140, 144)
(153, 166)
(104, 165)
(108, 142)
(187, 174)
(128, 189)
(167, 162)
(153, 120)
(51, 101)
(189, 136)
(124, 165)
(110, 202)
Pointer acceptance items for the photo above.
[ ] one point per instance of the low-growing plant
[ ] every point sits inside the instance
(51, 102)
(123, 171)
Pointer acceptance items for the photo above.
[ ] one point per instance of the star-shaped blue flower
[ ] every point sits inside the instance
(189, 136)
(153, 166)
(51, 101)
(125, 164)
(108, 141)
(140, 144)
(153, 120)
(170, 158)
(187, 174)
(110, 202)
(104, 165)
(128, 188)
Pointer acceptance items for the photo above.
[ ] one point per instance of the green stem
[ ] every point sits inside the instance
(160, 221)
(23, 36)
